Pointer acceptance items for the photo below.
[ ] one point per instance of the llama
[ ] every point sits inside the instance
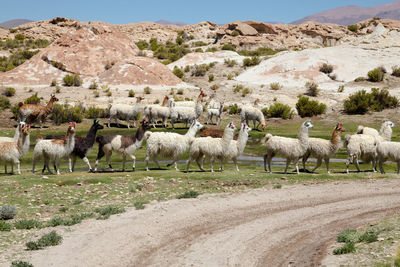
(192, 103)
(171, 145)
(212, 148)
(215, 112)
(216, 133)
(125, 112)
(154, 112)
(54, 150)
(12, 151)
(36, 112)
(324, 149)
(364, 146)
(236, 148)
(83, 145)
(12, 139)
(388, 150)
(125, 145)
(367, 130)
(254, 114)
(290, 148)
(185, 114)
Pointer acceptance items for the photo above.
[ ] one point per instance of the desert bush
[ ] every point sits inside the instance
(94, 113)
(131, 93)
(27, 224)
(147, 90)
(140, 204)
(245, 92)
(345, 249)
(106, 212)
(188, 194)
(178, 72)
(214, 87)
(93, 85)
(5, 227)
(199, 43)
(230, 62)
(109, 93)
(275, 86)
(53, 82)
(396, 71)
(200, 70)
(352, 28)
(4, 103)
(253, 61)
(50, 239)
(230, 76)
(361, 102)
(234, 109)
(360, 79)
(235, 33)
(96, 93)
(308, 108)
(228, 47)
(187, 68)
(66, 113)
(109, 65)
(198, 50)
(170, 51)
(33, 99)
(21, 264)
(212, 64)
(340, 89)
(261, 51)
(211, 78)
(142, 44)
(237, 88)
(326, 68)
(312, 89)
(211, 49)
(180, 92)
(348, 236)
(278, 110)
(332, 76)
(72, 80)
(369, 236)
(376, 75)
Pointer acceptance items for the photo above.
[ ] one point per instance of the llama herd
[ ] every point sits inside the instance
(367, 144)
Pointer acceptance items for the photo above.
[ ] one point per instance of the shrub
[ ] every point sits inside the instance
(230, 62)
(180, 92)
(33, 99)
(131, 93)
(187, 68)
(228, 47)
(340, 89)
(198, 50)
(4, 103)
(275, 86)
(109, 93)
(140, 204)
(53, 82)
(8, 91)
(346, 248)
(142, 44)
(369, 236)
(332, 76)
(147, 90)
(178, 72)
(68, 80)
(352, 28)
(214, 87)
(199, 43)
(212, 64)
(376, 75)
(396, 71)
(230, 76)
(312, 89)
(237, 88)
(7, 212)
(58, 89)
(326, 68)
(360, 79)
(189, 194)
(5, 227)
(234, 109)
(21, 264)
(308, 108)
(27, 224)
(200, 70)
(211, 49)
(50, 239)
(278, 110)
(210, 77)
(348, 236)
(96, 93)
(106, 212)
(377, 100)
(94, 113)
(93, 85)
(261, 51)
(245, 92)
(66, 113)
(253, 61)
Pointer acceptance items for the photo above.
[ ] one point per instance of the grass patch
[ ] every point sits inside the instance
(348, 236)
(47, 240)
(345, 249)
(106, 212)
(140, 204)
(5, 227)
(21, 264)
(27, 224)
(189, 194)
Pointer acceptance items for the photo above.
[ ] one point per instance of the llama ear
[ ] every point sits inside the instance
(70, 124)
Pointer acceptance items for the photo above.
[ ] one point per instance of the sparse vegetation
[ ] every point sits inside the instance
(230, 76)
(211, 49)
(228, 47)
(189, 194)
(200, 70)
(214, 87)
(187, 68)
(94, 113)
(234, 109)
(346, 248)
(396, 71)
(27, 224)
(109, 94)
(5, 227)
(199, 43)
(211, 78)
(33, 99)
(53, 82)
(66, 113)
(178, 72)
(72, 80)
(376, 75)
(326, 68)
(245, 92)
(180, 92)
(4, 103)
(96, 93)
(261, 51)
(131, 93)
(353, 28)
(361, 102)
(58, 89)
(253, 61)
(275, 86)
(360, 79)
(147, 90)
(169, 52)
(309, 108)
(21, 264)
(106, 212)
(8, 91)
(340, 89)
(142, 44)
(312, 89)
(237, 88)
(140, 204)
(93, 85)
(230, 62)
(50, 239)
(278, 110)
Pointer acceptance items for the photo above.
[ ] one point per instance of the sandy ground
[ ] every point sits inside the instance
(291, 226)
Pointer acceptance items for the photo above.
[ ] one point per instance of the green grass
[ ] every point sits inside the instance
(346, 248)
(188, 194)
(50, 239)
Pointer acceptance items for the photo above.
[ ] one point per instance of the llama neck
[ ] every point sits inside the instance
(139, 133)
(16, 134)
(303, 136)
(386, 132)
(50, 104)
(221, 107)
(198, 109)
(335, 138)
(164, 102)
(91, 135)
(137, 106)
(227, 138)
(192, 131)
(242, 140)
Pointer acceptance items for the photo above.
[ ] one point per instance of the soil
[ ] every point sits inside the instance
(291, 226)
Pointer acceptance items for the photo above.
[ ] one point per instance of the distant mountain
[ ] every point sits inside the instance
(14, 23)
(352, 14)
(166, 22)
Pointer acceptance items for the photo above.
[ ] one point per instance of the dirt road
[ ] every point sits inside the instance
(266, 227)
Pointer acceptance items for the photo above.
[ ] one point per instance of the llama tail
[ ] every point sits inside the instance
(20, 104)
(360, 129)
(147, 135)
(347, 139)
(266, 138)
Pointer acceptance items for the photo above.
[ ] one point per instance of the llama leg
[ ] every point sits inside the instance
(381, 166)
(70, 164)
(33, 164)
(355, 161)
(327, 165)
(287, 164)
(305, 158)
(319, 162)
(265, 162)
(18, 167)
(188, 163)
(86, 160)
(12, 168)
(116, 121)
(212, 163)
(156, 162)
(134, 161)
(108, 157)
(127, 121)
(100, 154)
(236, 165)
(147, 160)
(5, 168)
(198, 161)
(57, 165)
(176, 163)
(296, 163)
(73, 162)
(398, 167)
(109, 121)
(347, 164)
(374, 165)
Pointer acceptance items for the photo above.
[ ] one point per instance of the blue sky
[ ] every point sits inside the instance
(189, 11)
